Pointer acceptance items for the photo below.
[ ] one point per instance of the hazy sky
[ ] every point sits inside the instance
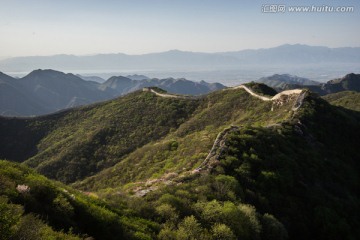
(47, 27)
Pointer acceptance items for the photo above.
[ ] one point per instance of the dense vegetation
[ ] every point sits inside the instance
(186, 147)
(298, 179)
(275, 173)
(33, 207)
(77, 143)
(304, 175)
(346, 99)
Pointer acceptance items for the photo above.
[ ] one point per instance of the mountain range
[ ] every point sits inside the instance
(45, 91)
(282, 81)
(350, 82)
(188, 61)
(240, 163)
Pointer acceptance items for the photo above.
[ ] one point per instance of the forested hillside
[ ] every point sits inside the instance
(228, 165)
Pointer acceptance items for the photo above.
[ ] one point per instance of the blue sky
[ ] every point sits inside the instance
(81, 27)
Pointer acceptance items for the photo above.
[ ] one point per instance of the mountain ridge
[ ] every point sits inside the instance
(228, 164)
(350, 82)
(45, 91)
(176, 59)
(281, 81)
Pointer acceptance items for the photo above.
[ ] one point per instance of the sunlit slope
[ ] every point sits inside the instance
(184, 149)
(77, 143)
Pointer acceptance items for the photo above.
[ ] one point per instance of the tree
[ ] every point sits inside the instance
(226, 187)
(9, 216)
(189, 229)
(167, 212)
(222, 232)
(272, 228)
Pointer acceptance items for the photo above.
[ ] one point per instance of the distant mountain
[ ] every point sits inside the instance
(181, 60)
(351, 82)
(46, 91)
(137, 77)
(123, 85)
(297, 54)
(5, 78)
(57, 89)
(91, 78)
(15, 100)
(282, 81)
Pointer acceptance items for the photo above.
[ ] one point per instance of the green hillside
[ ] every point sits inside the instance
(297, 179)
(302, 172)
(73, 144)
(346, 99)
(186, 148)
(34, 207)
(227, 165)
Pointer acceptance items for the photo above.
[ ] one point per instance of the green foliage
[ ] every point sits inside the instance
(187, 146)
(241, 219)
(272, 228)
(9, 217)
(280, 174)
(77, 143)
(189, 229)
(346, 99)
(168, 213)
(222, 232)
(226, 187)
(24, 210)
(289, 170)
(32, 228)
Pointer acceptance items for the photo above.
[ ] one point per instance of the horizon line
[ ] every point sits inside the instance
(170, 50)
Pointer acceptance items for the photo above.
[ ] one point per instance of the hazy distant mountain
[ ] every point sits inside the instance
(181, 60)
(350, 82)
(91, 78)
(58, 89)
(120, 85)
(15, 100)
(5, 78)
(123, 85)
(298, 54)
(282, 81)
(46, 91)
(173, 59)
(137, 77)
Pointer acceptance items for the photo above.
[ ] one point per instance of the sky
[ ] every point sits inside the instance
(86, 27)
